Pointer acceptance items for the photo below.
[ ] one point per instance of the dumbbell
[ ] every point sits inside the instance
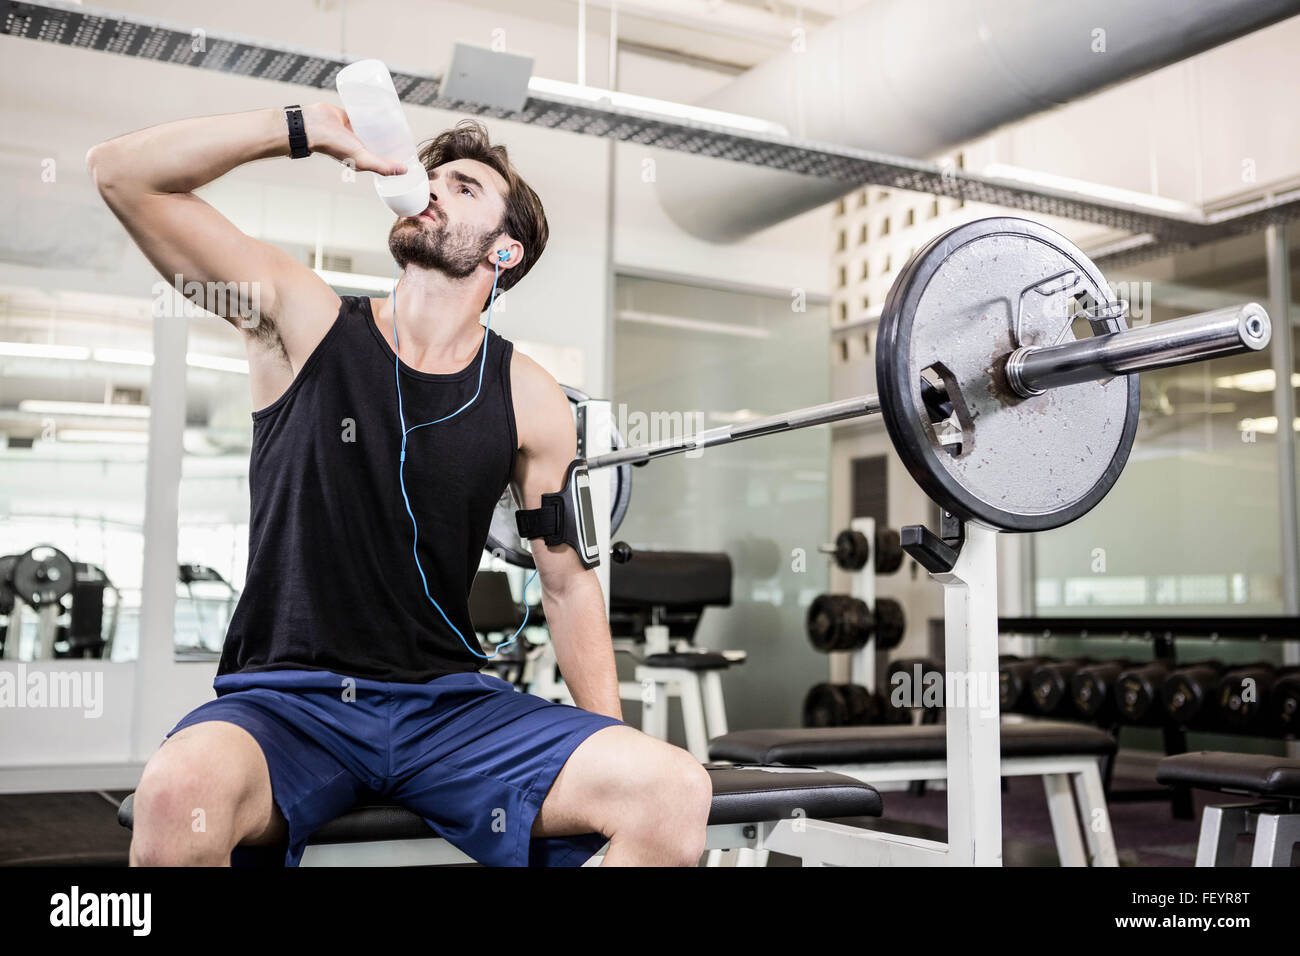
(839, 622)
(851, 550)
(1137, 691)
(1092, 690)
(1187, 692)
(1013, 683)
(840, 705)
(1285, 705)
(1243, 696)
(1049, 687)
(891, 624)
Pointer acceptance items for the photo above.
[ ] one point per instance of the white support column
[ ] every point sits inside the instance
(155, 664)
(974, 754)
(862, 663)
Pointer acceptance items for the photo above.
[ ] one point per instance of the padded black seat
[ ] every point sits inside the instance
(1253, 774)
(702, 661)
(751, 794)
(741, 794)
(672, 579)
(890, 742)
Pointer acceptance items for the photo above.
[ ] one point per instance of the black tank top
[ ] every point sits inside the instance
(332, 583)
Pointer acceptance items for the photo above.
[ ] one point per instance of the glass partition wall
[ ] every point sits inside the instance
(688, 358)
(74, 420)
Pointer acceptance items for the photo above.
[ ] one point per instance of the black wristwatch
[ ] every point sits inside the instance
(297, 132)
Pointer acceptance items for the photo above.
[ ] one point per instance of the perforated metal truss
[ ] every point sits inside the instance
(1156, 232)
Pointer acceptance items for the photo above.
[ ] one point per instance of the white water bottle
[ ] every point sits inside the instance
(376, 116)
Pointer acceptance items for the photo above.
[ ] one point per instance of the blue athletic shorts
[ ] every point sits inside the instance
(467, 752)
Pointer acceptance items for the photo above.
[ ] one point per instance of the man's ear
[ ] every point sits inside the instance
(513, 249)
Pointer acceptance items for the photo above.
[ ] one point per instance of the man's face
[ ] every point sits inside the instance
(456, 232)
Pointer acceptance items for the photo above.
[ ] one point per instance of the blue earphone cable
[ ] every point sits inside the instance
(401, 466)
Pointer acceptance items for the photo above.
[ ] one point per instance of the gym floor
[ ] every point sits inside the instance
(66, 829)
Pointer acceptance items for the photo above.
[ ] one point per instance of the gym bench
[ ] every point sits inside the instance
(658, 597)
(1066, 755)
(1274, 818)
(748, 802)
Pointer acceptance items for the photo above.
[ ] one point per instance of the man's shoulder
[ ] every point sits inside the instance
(542, 410)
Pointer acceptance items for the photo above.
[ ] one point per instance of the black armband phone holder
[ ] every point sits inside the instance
(565, 516)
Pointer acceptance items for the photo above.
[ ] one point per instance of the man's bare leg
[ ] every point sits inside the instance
(206, 790)
(650, 798)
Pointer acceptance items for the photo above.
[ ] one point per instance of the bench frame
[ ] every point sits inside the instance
(746, 838)
(1275, 825)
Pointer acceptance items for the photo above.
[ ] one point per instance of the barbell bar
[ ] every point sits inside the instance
(1031, 371)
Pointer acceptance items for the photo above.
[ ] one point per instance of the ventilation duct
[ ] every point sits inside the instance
(916, 77)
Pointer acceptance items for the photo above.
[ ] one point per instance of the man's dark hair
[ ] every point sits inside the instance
(524, 218)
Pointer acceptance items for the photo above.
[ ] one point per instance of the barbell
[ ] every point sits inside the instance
(1006, 376)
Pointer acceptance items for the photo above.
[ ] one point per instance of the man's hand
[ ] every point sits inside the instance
(330, 132)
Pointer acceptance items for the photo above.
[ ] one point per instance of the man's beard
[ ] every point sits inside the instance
(456, 251)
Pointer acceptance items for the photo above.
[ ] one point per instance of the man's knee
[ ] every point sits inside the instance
(177, 817)
(191, 804)
(675, 794)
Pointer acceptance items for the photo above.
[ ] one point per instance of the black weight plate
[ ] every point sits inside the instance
(42, 575)
(503, 537)
(889, 550)
(1024, 465)
(825, 706)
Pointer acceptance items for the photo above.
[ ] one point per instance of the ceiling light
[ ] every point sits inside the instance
(32, 350)
(355, 280)
(693, 325)
(1110, 194)
(1260, 380)
(218, 363)
(109, 436)
(37, 406)
(1263, 426)
(665, 108)
(122, 357)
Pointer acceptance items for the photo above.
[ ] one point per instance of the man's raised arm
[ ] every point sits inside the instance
(148, 177)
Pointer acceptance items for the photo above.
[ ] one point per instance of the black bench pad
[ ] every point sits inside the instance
(1256, 774)
(689, 660)
(741, 794)
(672, 579)
(893, 742)
(744, 793)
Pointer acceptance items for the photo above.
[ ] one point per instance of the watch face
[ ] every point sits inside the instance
(582, 490)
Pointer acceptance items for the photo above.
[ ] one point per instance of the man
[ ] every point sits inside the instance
(346, 668)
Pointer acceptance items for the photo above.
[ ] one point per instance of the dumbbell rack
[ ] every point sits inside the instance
(1162, 632)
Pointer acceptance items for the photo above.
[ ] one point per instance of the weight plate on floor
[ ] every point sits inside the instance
(503, 537)
(1008, 463)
